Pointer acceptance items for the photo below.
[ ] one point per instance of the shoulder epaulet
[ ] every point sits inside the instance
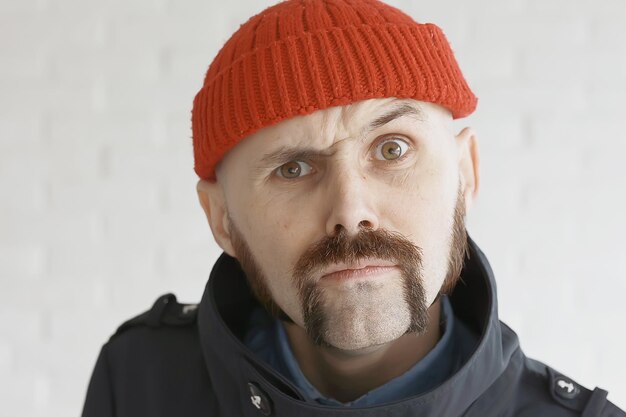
(568, 393)
(574, 396)
(166, 311)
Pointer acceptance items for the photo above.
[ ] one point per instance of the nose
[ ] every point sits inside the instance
(350, 203)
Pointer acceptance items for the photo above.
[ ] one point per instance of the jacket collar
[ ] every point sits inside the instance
(228, 301)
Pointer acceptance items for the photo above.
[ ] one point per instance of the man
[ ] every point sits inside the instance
(331, 177)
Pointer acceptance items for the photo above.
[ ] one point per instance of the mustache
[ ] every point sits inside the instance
(380, 244)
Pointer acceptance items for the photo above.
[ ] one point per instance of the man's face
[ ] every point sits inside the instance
(350, 219)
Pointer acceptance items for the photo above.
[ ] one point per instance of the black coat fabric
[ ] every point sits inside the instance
(189, 360)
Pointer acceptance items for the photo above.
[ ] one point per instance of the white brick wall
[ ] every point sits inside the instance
(99, 215)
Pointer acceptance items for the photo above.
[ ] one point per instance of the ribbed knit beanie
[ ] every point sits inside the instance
(300, 56)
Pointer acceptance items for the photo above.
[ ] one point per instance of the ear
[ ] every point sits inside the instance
(469, 162)
(213, 203)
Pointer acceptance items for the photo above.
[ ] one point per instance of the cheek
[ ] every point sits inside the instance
(277, 238)
(420, 205)
(423, 211)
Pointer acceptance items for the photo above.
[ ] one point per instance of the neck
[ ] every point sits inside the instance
(347, 375)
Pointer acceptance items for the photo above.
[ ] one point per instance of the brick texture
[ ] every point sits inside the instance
(99, 215)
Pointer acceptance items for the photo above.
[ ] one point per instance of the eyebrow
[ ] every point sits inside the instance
(286, 154)
(404, 109)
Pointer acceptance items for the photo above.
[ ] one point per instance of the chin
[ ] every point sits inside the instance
(358, 350)
(361, 340)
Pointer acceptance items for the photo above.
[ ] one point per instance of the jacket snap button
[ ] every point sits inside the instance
(565, 388)
(259, 399)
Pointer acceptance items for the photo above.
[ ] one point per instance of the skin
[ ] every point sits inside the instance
(345, 184)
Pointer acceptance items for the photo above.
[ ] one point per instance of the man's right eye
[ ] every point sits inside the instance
(293, 169)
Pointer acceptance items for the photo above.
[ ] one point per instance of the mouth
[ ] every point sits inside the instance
(365, 269)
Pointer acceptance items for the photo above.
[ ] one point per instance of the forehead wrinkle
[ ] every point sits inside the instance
(347, 113)
(400, 108)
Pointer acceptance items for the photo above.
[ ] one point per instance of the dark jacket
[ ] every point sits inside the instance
(189, 360)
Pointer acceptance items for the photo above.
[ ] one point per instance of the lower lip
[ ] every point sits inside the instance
(363, 273)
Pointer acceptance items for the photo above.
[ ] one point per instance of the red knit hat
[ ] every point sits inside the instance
(299, 56)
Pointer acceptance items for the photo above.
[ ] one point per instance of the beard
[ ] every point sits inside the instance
(365, 314)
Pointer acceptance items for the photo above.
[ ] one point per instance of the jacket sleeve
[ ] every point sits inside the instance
(99, 400)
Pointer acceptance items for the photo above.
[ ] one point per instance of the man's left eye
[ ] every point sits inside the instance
(391, 149)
